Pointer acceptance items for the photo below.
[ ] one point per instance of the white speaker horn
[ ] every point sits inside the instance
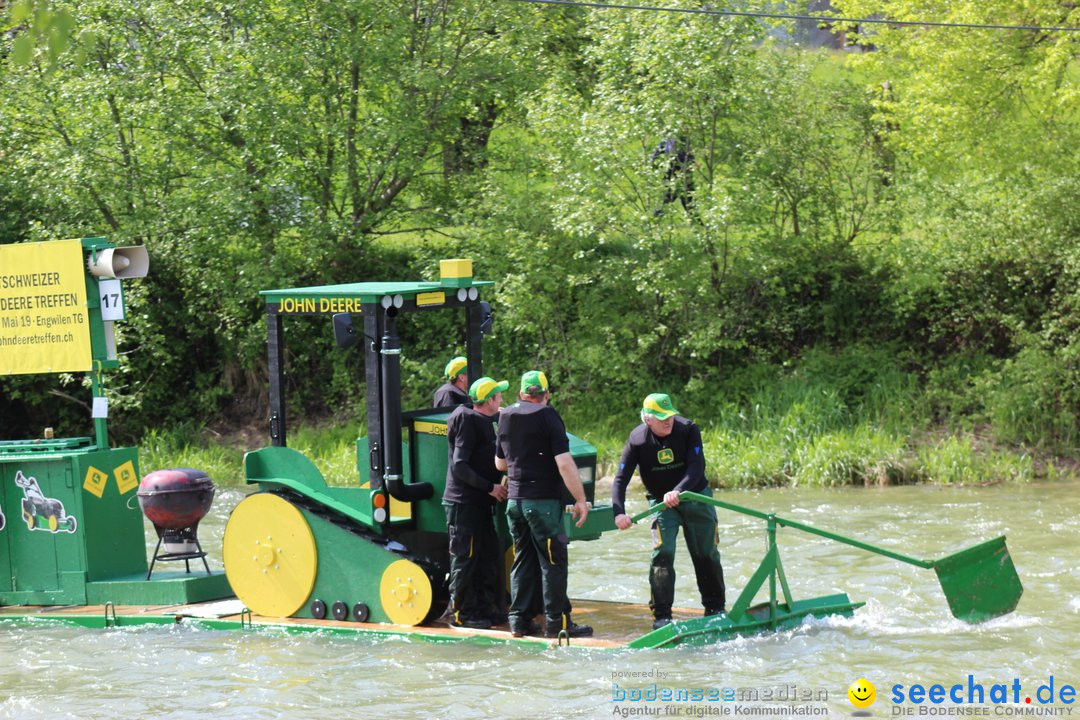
(124, 262)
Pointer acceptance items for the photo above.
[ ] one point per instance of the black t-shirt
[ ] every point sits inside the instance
(471, 472)
(675, 462)
(530, 436)
(450, 395)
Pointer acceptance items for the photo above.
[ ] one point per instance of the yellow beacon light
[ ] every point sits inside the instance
(455, 273)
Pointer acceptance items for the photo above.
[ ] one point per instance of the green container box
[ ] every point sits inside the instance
(71, 516)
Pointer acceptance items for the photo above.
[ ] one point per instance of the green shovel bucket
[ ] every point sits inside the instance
(980, 582)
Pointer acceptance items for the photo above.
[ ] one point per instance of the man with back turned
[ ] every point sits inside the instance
(473, 489)
(533, 450)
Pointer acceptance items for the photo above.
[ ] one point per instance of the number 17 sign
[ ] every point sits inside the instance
(112, 300)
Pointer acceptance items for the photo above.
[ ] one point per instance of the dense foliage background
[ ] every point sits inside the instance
(847, 266)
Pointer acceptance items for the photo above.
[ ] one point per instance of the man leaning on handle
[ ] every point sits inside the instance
(668, 451)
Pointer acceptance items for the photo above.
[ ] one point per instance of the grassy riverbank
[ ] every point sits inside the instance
(853, 417)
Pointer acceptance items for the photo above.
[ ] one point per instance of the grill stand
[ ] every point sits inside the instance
(185, 536)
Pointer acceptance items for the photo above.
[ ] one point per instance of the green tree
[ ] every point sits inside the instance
(683, 265)
(982, 124)
(249, 145)
(999, 100)
(36, 28)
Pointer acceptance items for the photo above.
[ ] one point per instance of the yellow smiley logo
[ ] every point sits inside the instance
(862, 693)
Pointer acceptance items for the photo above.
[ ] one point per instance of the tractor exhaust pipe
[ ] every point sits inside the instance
(391, 406)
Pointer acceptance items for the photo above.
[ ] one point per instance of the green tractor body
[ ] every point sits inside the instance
(381, 545)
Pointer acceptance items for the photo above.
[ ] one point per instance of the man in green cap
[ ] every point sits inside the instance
(473, 488)
(452, 392)
(667, 450)
(533, 449)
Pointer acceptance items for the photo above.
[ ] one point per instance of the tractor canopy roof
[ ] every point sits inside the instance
(348, 298)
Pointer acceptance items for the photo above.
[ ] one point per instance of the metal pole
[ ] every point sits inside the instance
(97, 389)
(275, 342)
(783, 522)
(770, 531)
(474, 342)
(855, 543)
(373, 388)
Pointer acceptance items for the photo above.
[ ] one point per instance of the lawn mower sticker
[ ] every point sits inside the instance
(40, 512)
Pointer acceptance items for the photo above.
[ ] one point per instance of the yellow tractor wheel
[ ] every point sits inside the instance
(405, 592)
(270, 555)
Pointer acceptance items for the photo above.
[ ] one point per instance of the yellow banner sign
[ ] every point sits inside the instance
(44, 325)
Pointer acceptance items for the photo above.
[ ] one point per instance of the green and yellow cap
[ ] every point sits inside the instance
(659, 406)
(456, 367)
(534, 378)
(482, 390)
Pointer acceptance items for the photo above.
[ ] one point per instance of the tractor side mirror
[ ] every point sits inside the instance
(487, 318)
(344, 331)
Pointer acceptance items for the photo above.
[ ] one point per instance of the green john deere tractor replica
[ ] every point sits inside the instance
(376, 551)
(373, 550)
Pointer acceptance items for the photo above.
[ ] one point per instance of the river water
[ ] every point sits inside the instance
(903, 636)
